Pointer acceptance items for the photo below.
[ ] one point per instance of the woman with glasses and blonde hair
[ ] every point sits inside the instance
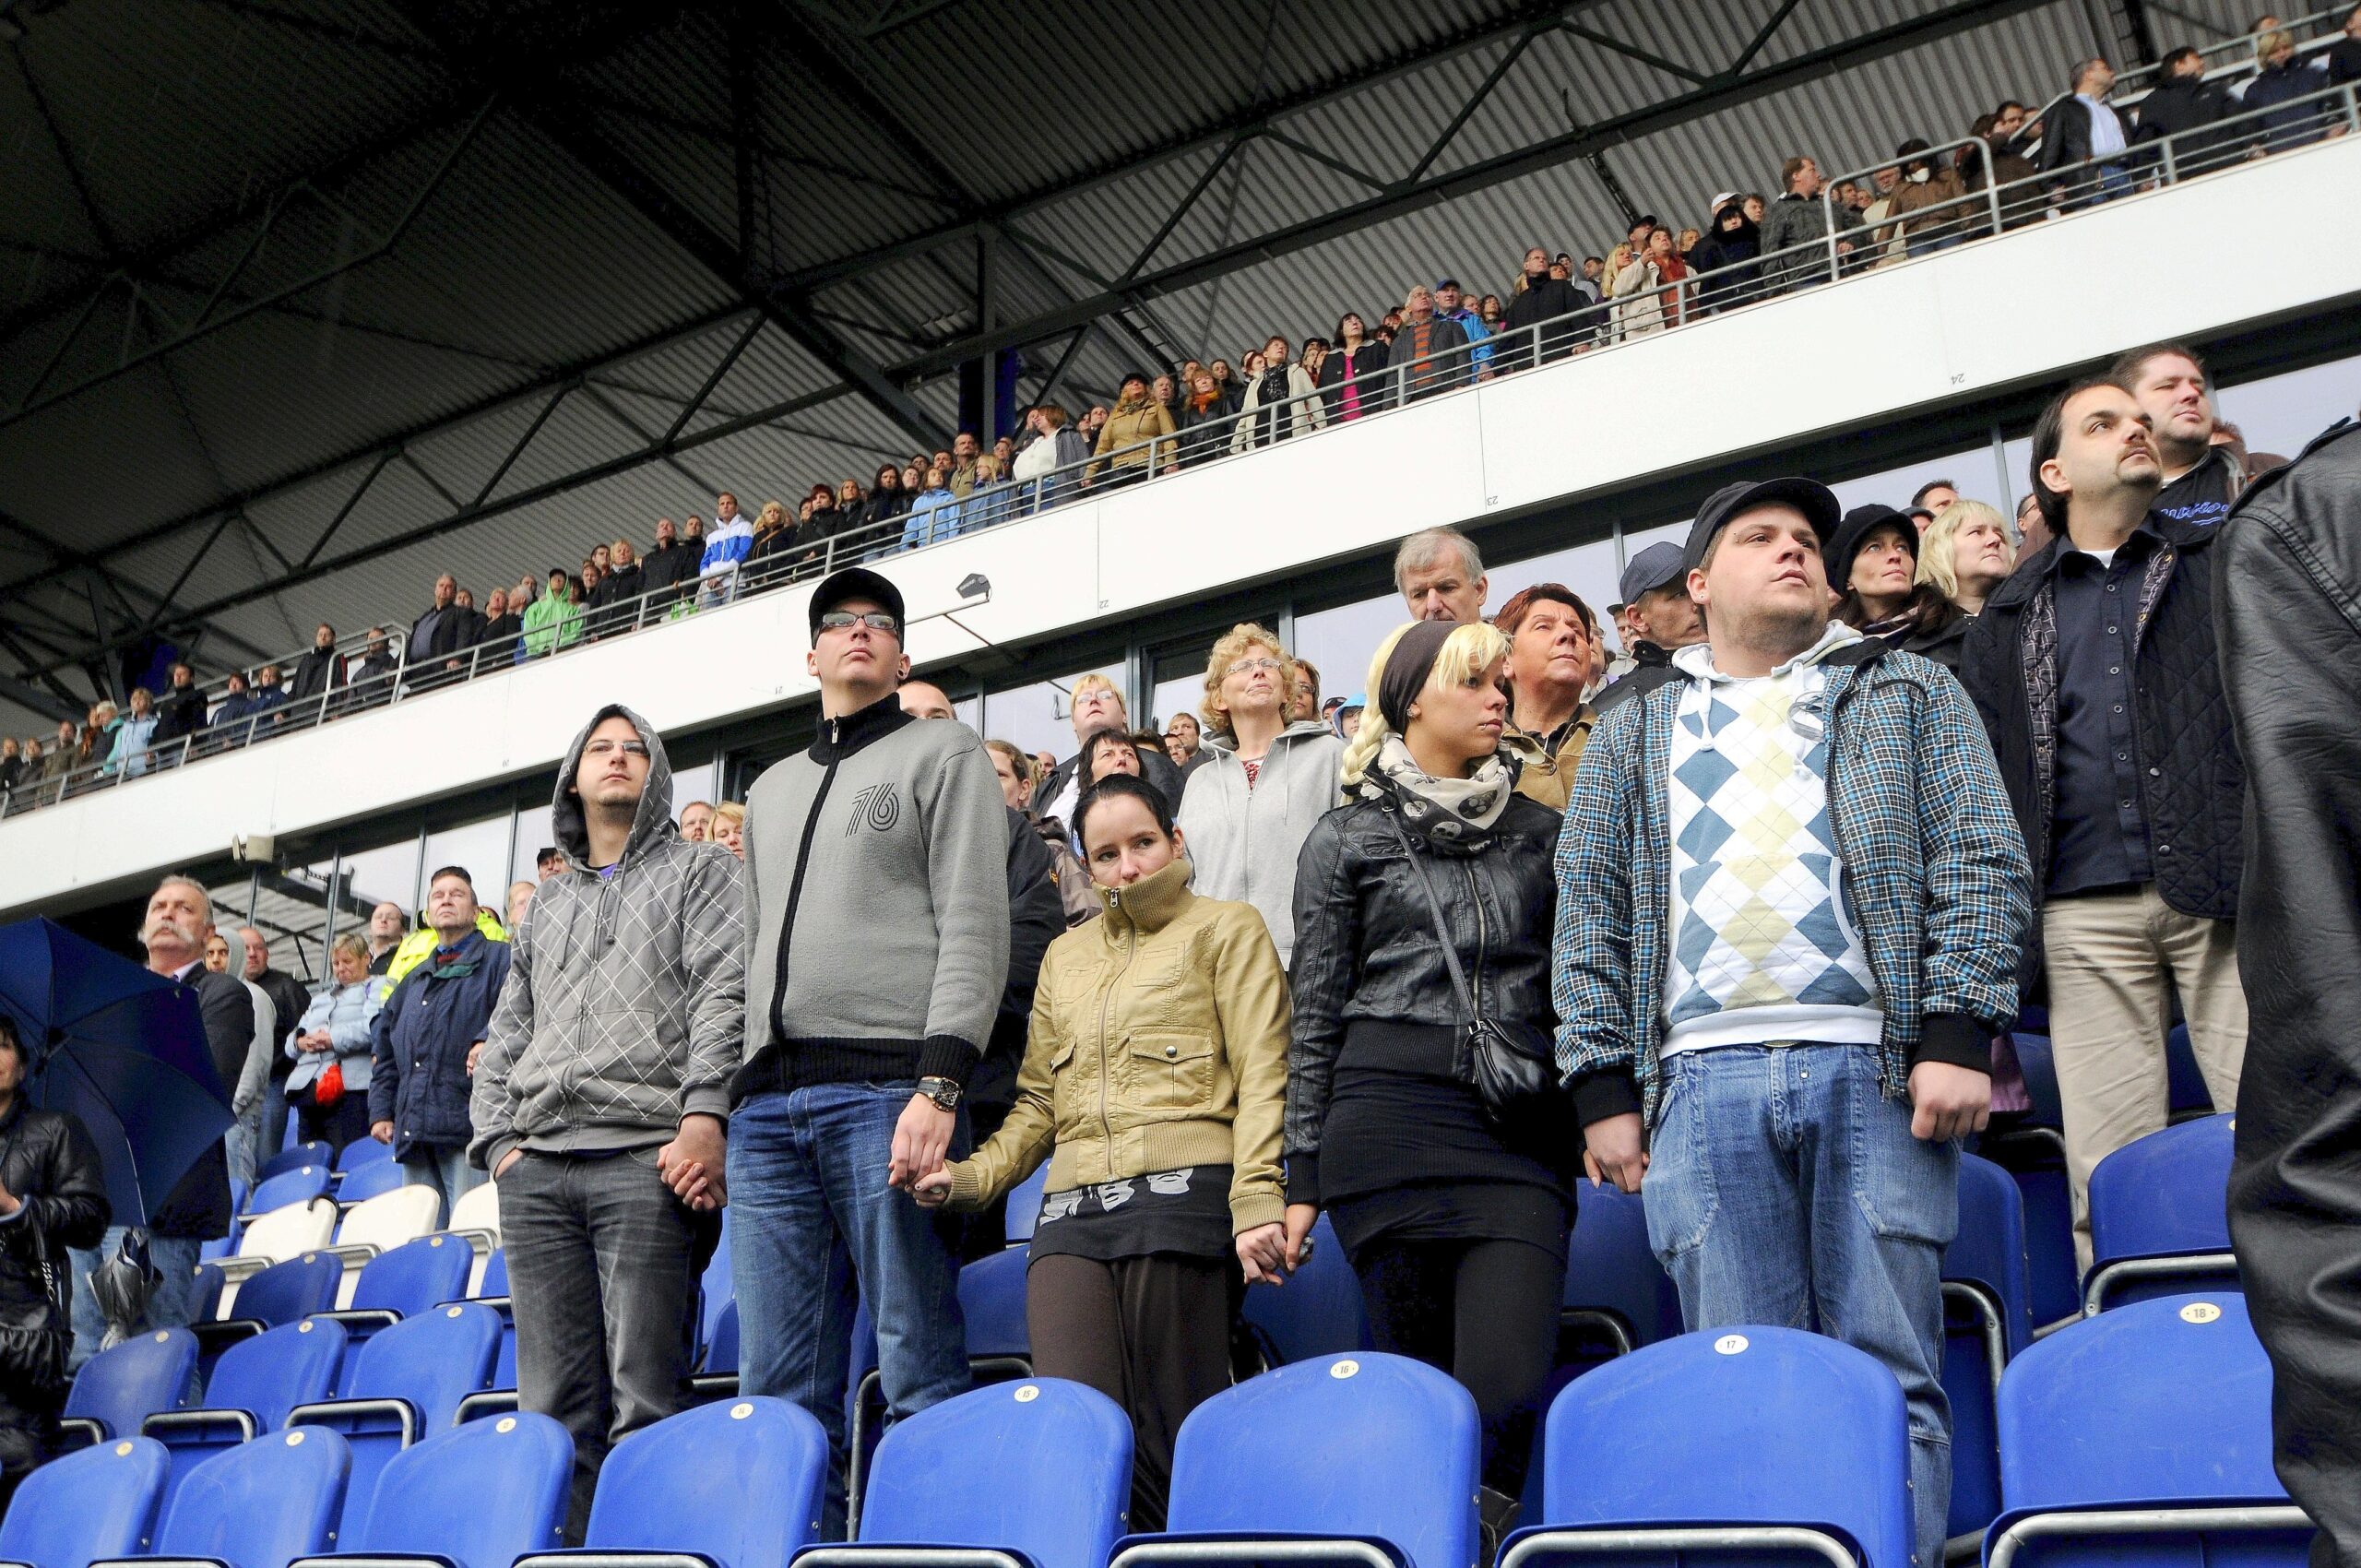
(1453, 1204)
(1248, 805)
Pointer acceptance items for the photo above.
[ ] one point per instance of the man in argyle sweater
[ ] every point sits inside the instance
(1791, 902)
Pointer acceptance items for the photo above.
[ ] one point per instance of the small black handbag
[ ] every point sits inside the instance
(1511, 1062)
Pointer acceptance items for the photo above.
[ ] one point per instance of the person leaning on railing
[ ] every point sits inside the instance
(134, 735)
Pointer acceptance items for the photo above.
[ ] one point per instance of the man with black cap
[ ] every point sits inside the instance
(877, 941)
(1791, 898)
(1657, 607)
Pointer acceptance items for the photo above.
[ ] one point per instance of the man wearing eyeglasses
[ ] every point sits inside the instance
(877, 941)
(602, 1092)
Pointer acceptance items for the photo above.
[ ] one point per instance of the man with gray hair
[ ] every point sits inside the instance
(178, 920)
(1441, 576)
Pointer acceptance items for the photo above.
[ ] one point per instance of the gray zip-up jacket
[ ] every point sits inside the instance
(876, 914)
(1244, 840)
(626, 992)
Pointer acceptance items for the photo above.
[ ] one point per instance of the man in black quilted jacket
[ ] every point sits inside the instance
(2095, 670)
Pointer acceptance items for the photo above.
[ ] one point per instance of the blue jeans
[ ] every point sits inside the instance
(813, 1219)
(444, 1168)
(1784, 1189)
(174, 1258)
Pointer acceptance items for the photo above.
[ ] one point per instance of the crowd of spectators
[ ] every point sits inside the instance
(1408, 961)
(2076, 150)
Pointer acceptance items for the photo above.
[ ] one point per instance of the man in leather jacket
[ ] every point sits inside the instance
(53, 1196)
(2286, 601)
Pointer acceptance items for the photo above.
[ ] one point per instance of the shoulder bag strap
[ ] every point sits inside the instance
(1442, 929)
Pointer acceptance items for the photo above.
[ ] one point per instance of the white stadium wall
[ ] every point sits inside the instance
(1877, 349)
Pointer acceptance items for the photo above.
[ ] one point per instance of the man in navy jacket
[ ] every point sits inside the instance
(427, 1038)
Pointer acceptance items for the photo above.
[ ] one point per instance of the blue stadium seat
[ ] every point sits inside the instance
(1988, 1318)
(1041, 1469)
(294, 1157)
(1362, 1452)
(249, 1392)
(992, 1302)
(415, 1278)
(257, 1504)
(98, 1502)
(2142, 1439)
(1733, 1444)
(717, 1288)
(281, 1294)
(2035, 1158)
(736, 1485)
(2038, 1061)
(120, 1387)
(405, 1387)
(1317, 1312)
(1616, 1290)
(2160, 1219)
(361, 1152)
(1024, 1208)
(717, 1375)
(366, 1182)
(297, 1184)
(991, 1299)
(477, 1496)
(2189, 1097)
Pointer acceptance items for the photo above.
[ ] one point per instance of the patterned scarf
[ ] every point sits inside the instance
(1448, 813)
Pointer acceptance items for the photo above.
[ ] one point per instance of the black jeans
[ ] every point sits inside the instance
(603, 1263)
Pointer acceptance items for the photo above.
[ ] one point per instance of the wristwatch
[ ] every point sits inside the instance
(945, 1092)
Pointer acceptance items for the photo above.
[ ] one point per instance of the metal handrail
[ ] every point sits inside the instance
(1815, 262)
(2241, 46)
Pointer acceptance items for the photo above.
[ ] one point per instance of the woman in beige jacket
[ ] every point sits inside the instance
(1136, 440)
(1154, 1082)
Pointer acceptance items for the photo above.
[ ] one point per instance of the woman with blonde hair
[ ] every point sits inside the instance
(1424, 905)
(335, 1032)
(1966, 553)
(1248, 807)
(730, 828)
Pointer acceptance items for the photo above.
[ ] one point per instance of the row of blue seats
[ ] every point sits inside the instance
(2140, 1439)
(1617, 1299)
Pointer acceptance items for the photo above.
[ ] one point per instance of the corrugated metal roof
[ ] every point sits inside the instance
(524, 260)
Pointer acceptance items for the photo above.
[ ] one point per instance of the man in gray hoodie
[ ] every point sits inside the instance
(877, 938)
(603, 1093)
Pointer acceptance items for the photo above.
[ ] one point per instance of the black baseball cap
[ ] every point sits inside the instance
(1660, 565)
(857, 582)
(1814, 499)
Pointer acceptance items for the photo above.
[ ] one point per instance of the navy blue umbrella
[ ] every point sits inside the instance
(120, 1047)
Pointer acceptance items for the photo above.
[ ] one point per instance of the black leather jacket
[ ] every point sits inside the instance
(48, 1164)
(1365, 948)
(2288, 602)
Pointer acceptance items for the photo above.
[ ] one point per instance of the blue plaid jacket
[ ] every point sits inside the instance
(1936, 876)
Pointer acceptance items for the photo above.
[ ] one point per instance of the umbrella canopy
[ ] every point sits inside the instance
(120, 1047)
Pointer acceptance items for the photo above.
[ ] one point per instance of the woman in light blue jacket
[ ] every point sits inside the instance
(335, 1032)
(134, 733)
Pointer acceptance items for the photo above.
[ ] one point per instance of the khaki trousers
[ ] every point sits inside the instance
(2114, 961)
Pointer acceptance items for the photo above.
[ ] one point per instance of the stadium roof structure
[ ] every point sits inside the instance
(305, 301)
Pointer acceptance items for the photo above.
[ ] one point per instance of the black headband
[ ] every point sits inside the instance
(1407, 669)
